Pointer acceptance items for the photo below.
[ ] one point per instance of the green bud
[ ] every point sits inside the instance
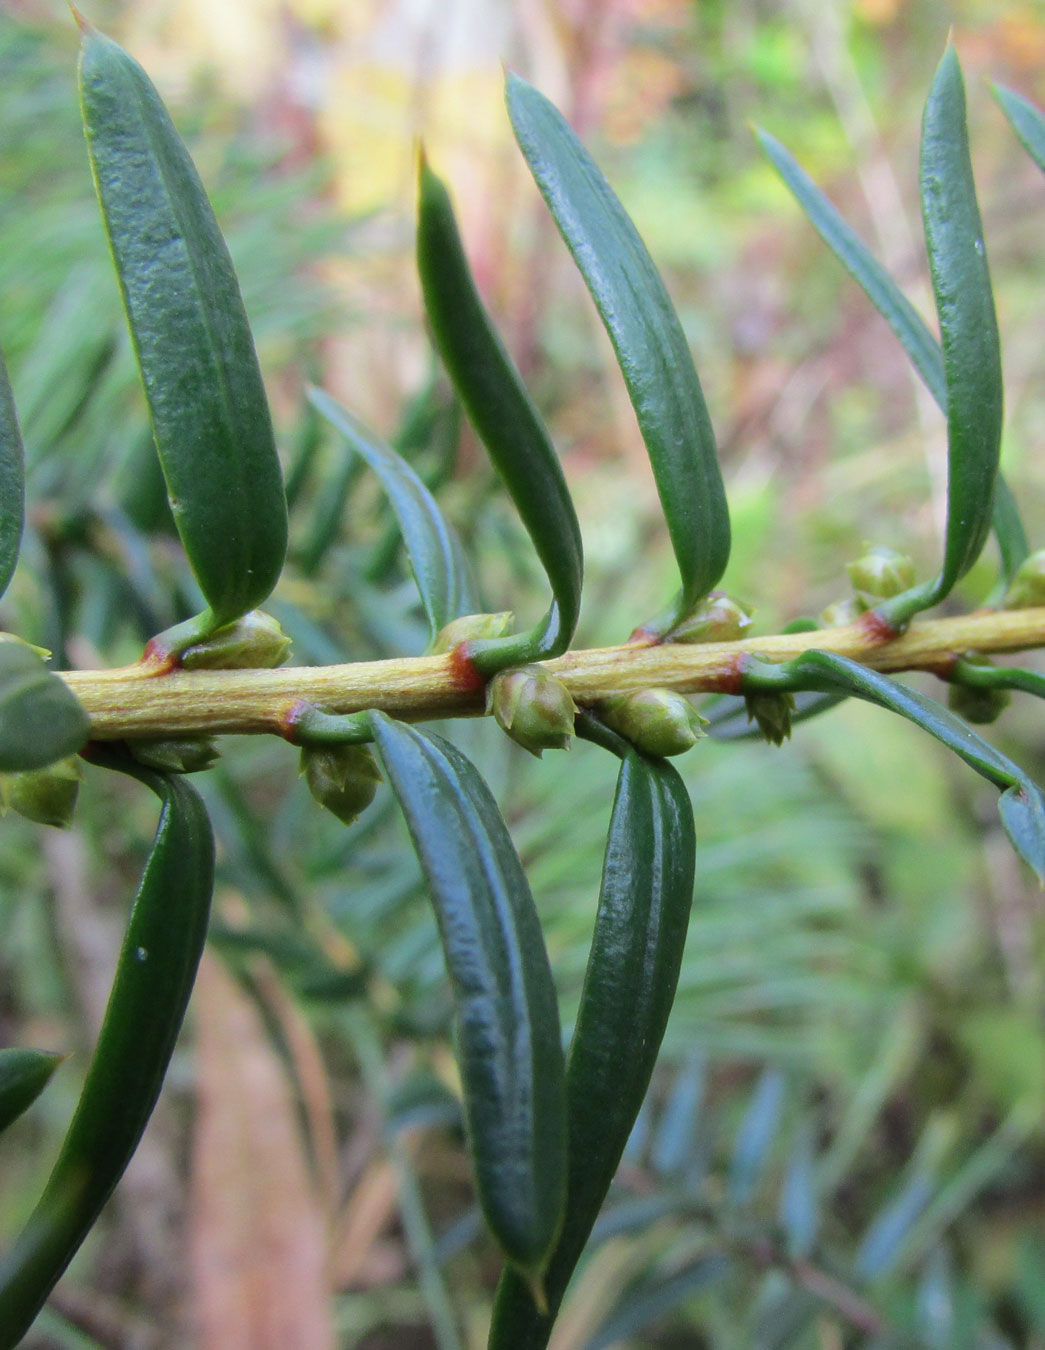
(979, 706)
(533, 707)
(343, 778)
(1027, 588)
(656, 721)
(773, 713)
(470, 627)
(188, 754)
(254, 642)
(841, 613)
(717, 618)
(880, 574)
(47, 796)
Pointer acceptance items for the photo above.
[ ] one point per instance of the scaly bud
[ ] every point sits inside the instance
(470, 627)
(880, 574)
(717, 618)
(188, 754)
(1027, 588)
(533, 707)
(254, 642)
(47, 796)
(343, 778)
(656, 721)
(773, 713)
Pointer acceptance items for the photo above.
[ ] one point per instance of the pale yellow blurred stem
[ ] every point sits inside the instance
(132, 702)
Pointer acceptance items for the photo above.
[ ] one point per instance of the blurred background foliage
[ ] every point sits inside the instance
(843, 1142)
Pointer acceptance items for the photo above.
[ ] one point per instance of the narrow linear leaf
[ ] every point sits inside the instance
(12, 481)
(1026, 120)
(647, 337)
(629, 987)
(910, 328)
(210, 417)
(509, 1043)
(436, 555)
(968, 324)
(508, 424)
(1022, 805)
(41, 719)
(858, 260)
(154, 977)
(23, 1076)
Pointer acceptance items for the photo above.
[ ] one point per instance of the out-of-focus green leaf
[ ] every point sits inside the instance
(755, 1137)
(209, 413)
(508, 424)
(507, 1015)
(799, 1212)
(41, 720)
(436, 556)
(883, 1241)
(23, 1076)
(1026, 121)
(154, 978)
(647, 337)
(12, 481)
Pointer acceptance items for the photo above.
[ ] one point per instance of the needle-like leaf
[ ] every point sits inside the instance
(209, 413)
(647, 337)
(509, 1042)
(12, 481)
(1026, 120)
(436, 555)
(508, 424)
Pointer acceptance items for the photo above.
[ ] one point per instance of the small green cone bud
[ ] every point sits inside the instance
(47, 796)
(533, 707)
(773, 713)
(470, 627)
(841, 613)
(717, 618)
(188, 754)
(880, 574)
(343, 778)
(979, 706)
(1027, 588)
(656, 721)
(254, 642)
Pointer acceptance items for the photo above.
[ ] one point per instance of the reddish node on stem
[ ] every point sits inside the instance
(645, 637)
(877, 628)
(290, 718)
(463, 671)
(728, 678)
(159, 659)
